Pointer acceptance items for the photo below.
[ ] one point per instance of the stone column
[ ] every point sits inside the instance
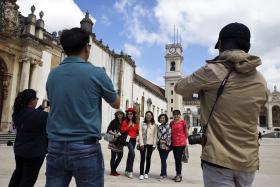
(25, 71)
(34, 74)
(269, 115)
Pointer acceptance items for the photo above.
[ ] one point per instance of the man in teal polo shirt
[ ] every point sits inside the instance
(75, 89)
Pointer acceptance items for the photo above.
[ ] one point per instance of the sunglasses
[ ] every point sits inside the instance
(129, 113)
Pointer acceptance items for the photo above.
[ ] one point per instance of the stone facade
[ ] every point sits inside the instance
(23, 41)
(28, 53)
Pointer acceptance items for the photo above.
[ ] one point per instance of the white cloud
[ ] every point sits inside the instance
(134, 13)
(132, 50)
(58, 15)
(105, 20)
(122, 4)
(200, 21)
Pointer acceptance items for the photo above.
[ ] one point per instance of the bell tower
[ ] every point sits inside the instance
(173, 64)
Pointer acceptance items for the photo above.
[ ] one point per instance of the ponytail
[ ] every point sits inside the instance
(23, 98)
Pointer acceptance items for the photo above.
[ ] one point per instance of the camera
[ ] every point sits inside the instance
(46, 103)
(199, 138)
(195, 138)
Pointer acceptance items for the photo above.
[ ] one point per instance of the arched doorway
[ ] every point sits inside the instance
(263, 117)
(276, 116)
(3, 71)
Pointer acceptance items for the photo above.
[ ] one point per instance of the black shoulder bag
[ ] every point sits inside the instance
(201, 138)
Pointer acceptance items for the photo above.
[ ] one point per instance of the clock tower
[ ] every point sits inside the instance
(173, 64)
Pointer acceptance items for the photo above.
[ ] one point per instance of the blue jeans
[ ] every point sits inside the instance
(67, 159)
(163, 153)
(131, 155)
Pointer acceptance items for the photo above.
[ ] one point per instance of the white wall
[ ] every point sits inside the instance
(43, 73)
(157, 103)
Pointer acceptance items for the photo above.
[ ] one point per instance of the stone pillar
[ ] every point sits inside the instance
(25, 71)
(269, 116)
(39, 33)
(34, 75)
(31, 26)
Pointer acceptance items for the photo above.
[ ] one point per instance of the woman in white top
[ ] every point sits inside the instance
(147, 141)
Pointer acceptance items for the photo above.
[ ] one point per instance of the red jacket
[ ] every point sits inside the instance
(131, 131)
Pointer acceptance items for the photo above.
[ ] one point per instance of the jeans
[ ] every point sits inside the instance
(220, 177)
(178, 154)
(26, 172)
(149, 149)
(114, 163)
(81, 160)
(163, 153)
(131, 155)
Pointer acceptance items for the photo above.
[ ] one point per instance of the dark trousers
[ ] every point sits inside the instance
(116, 158)
(26, 172)
(131, 155)
(149, 150)
(178, 153)
(163, 153)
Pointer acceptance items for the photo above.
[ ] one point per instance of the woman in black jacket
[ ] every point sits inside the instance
(116, 147)
(31, 140)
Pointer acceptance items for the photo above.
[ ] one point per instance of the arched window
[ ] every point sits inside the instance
(263, 117)
(126, 104)
(172, 66)
(276, 116)
(3, 71)
(149, 104)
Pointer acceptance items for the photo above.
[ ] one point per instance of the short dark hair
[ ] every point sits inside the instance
(235, 43)
(165, 116)
(176, 111)
(152, 120)
(74, 40)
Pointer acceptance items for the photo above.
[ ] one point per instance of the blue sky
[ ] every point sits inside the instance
(112, 27)
(142, 28)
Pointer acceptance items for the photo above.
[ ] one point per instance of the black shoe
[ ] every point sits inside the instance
(178, 179)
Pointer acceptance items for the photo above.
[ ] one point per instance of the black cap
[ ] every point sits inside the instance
(234, 30)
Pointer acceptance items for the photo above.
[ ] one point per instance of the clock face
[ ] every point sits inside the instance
(172, 50)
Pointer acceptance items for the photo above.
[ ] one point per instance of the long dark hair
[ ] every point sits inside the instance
(152, 120)
(134, 119)
(23, 98)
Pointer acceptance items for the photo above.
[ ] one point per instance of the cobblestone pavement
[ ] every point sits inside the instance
(268, 175)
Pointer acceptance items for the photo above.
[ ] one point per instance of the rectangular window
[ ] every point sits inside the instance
(171, 84)
(171, 100)
(171, 109)
(171, 92)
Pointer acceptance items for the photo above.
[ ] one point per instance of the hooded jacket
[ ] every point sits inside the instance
(232, 135)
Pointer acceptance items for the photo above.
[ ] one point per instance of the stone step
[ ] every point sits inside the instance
(5, 137)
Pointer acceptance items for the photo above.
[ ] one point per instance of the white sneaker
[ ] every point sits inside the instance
(146, 176)
(130, 175)
(141, 177)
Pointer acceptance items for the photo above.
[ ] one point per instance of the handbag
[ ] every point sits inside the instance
(138, 147)
(201, 138)
(110, 137)
(185, 156)
(122, 139)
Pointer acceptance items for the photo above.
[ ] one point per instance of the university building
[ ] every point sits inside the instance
(28, 52)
